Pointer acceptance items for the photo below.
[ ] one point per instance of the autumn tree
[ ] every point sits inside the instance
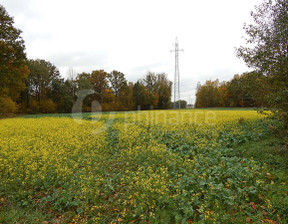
(244, 90)
(224, 94)
(13, 71)
(207, 95)
(99, 81)
(266, 51)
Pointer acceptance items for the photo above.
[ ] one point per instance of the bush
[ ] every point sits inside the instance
(7, 106)
(47, 106)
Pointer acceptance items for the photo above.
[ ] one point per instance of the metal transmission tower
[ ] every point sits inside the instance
(177, 76)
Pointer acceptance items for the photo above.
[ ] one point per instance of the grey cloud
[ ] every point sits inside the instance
(139, 72)
(79, 59)
(33, 36)
(20, 8)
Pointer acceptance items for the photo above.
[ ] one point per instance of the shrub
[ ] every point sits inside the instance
(47, 106)
(7, 106)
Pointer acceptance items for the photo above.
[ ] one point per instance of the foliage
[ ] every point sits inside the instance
(99, 83)
(146, 166)
(126, 98)
(272, 151)
(83, 81)
(13, 71)
(183, 104)
(42, 74)
(48, 106)
(269, 36)
(117, 81)
(244, 90)
(121, 91)
(141, 96)
(267, 51)
(153, 91)
(208, 95)
(7, 106)
(164, 89)
(62, 94)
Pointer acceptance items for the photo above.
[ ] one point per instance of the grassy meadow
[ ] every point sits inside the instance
(171, 166)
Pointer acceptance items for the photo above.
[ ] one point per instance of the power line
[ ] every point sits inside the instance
(176, 76)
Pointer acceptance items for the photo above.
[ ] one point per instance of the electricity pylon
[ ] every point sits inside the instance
(177, 76)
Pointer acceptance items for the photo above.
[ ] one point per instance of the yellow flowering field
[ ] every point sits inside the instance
(171, 166)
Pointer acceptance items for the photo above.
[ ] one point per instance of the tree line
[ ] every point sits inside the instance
(244, 90)
(47, 92)
(36, 86)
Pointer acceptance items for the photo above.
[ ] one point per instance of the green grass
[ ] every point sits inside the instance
(226, 108)
(29, 215)
(17, 214)
(272, 152)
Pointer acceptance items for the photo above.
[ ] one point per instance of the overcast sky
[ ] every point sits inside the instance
(135, 37)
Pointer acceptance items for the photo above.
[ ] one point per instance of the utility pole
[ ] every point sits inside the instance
(176, 76)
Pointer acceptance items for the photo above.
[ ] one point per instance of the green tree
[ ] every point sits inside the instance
(126, 97)
(183, 104)
(141, 96)
(13, 71)
(236, 90)
(119, 88)
(159, 90)
(83, 81)
(117, 82)
(62, 94)
(266, 51)
(242, 91)
(246, 90)
(164, 90)
(42, 74)
(150, 82)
